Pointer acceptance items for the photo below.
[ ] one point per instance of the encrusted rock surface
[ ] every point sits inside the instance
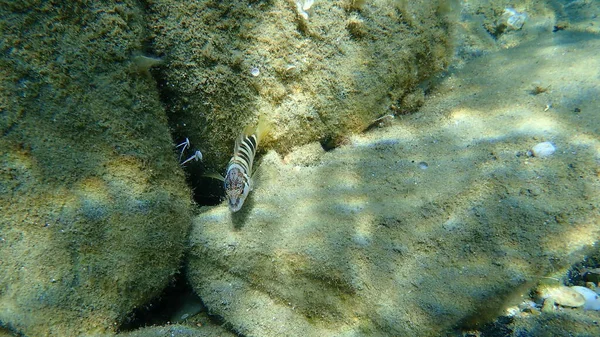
(319, 78)
(94, 207)
(368, 240)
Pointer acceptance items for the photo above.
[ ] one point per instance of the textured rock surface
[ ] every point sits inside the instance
(320, 78)
(94, 207)
(201, 330)
(368, 240)
(489, 26)
(6, 333)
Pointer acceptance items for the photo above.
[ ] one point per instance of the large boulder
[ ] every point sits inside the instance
(94, 207)
(318, 72)
(439, 221)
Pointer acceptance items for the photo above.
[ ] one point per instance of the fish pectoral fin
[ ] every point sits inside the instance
(214, 176)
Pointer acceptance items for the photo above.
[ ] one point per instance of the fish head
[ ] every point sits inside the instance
(237, 187)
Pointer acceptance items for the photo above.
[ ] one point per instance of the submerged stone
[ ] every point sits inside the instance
(543, 150)
(359, 240)
(564, 296)
(320, 77)
(95, 208)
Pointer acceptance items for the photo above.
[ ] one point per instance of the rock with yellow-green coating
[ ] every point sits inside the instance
(94, 206)
(201, 330)
(318, 70)
(436, 223)
(364, 241)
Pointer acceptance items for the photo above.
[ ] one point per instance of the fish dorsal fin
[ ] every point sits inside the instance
(260, 132)
(239, 140)
(262, 129)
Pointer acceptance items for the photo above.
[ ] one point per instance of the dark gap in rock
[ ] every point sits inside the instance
(328, 143)
(587, 270)
(166, 307)
(176, 304)
(206, 191)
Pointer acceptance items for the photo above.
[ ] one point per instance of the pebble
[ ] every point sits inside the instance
(564, 296)
(543, 150)
(548, 306)
(592, 301)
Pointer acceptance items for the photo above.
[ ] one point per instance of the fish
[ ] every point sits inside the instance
(238, 176)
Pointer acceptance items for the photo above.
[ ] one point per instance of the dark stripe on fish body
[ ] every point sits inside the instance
(252, 141)
(247, 149)
(241, 163)
(245, 153)
(244, 159)
(249, 145)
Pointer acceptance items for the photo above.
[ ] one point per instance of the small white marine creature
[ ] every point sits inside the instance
(302, 6)
(183, 146)
(197, 156)
(514, 20)
(238, 177)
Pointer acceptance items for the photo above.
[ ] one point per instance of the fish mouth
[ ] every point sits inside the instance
(235, 207)
(235, 202)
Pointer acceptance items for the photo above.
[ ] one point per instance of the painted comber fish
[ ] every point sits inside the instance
(238, 177)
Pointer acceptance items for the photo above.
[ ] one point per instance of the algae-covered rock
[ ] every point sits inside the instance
(318, 73)
(179, 330)
(487, 26)
(562, 323)
(440, 221)
(5, 333)
(94, 206)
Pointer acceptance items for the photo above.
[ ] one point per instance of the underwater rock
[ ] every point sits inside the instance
(316, 247)
(360, 240)
(179, 330)
(561, 295)
(94, 205)
(543, 150)
(592, 300)
(6, 333)
(324, 72)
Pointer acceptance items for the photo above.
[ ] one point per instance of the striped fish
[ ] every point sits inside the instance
(238, 178)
